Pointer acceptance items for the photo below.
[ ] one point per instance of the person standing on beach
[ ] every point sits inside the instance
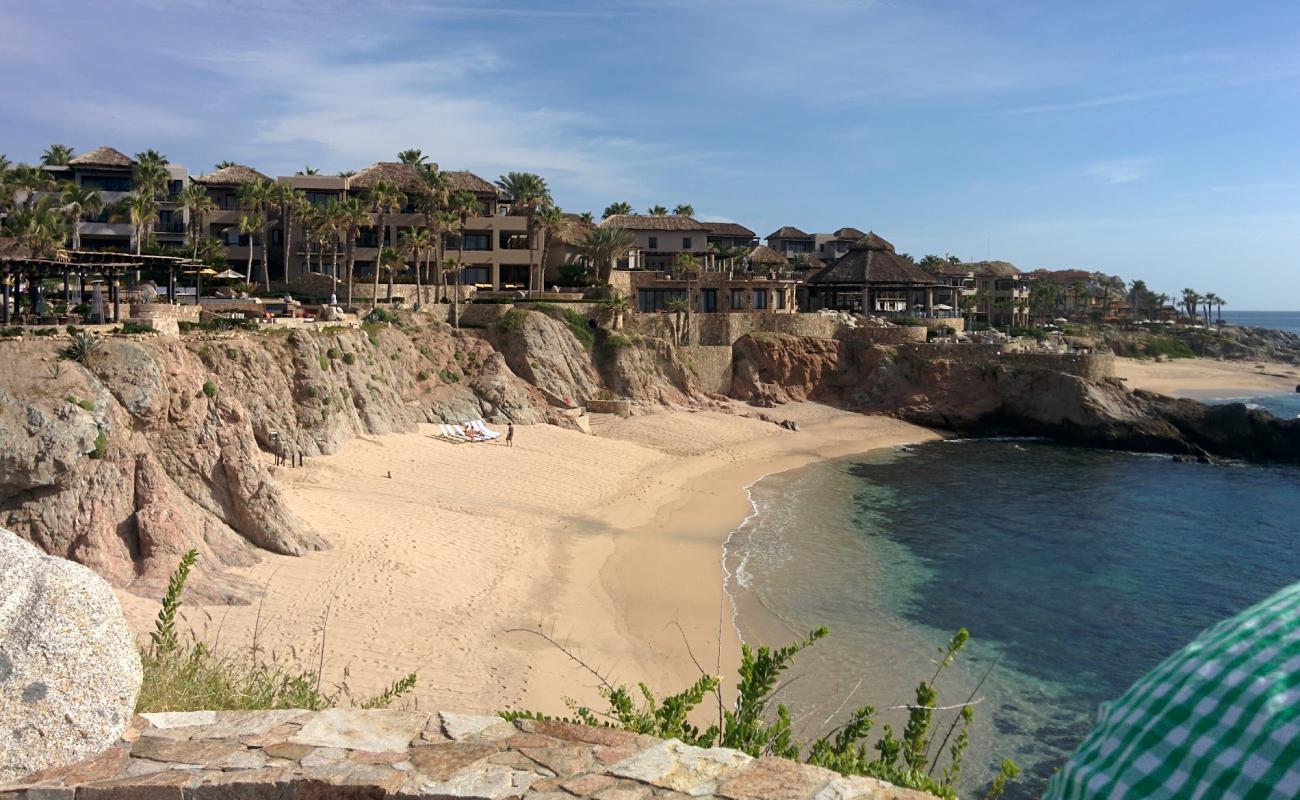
(510, 434)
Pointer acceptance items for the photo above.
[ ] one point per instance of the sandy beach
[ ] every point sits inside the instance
(1208, 379)
(606, 542)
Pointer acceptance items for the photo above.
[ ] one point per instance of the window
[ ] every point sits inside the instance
(654, 242)
(737, 299)
(780, 299)
(708, 300)
(686, 243)
(277, 236)
(174, 187)
(106, 183)
(760, 299)
(648, 300)
(478, 241)
(477, 275)
(320, 198)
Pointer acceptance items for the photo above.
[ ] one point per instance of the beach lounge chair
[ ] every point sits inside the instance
(452, 433)
(482, 428)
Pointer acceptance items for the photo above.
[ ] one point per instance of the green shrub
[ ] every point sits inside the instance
(310, 392)
(183, 674)
(911, 322)
(81, 349)
(210, 388)
(72, 330)
(101, 446)
(512, 321)
(613, 343)
(449, 377)
(349, 358)
(45, 331)
(136, 327)
(324, 363)
(381, 315)
(422, 375)
(753, 726)
(232, 353)
(332, 354)
(576, 323)
(85, 404)
(1037, 334)
(1169, 347)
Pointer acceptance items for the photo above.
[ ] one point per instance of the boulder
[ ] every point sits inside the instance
(69, 670)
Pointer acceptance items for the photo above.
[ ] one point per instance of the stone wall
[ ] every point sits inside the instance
(723, 329)
(909, 334)
(711, 366)
(1095, 366)
(351, 753)
(178, 312)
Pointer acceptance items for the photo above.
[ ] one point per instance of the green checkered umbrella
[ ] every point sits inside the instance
(1218, 719)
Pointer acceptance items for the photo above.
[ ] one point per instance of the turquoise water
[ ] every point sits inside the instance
(1282, 320)
(1286, 406)
(1075, 571)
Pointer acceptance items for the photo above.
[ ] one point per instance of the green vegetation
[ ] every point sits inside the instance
(753, 726)
(349, 358)
(12, 330)
(232, 353)
(332, 354)
(1038, 334)
(210, 388)
(377, 315)
(135, 327)
(1169, 347)
(422, 375)
(615, 342)
(324, 363)
(577, 322)
(101, 446)
(186, 675)
(449, 376)
(310, 392)
(512, 321)
(912, 322)
(81, 349)
(45, 331)
(86, 404)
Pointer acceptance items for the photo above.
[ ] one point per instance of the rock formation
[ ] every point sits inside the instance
(990, 395)
(69, 670)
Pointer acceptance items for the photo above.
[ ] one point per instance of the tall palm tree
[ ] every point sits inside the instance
(351, 216)
(463, 204)
(39, 228)
(586, 218)
(308, 170)
(386, 199)
(527, 191)
(552, 222)
(616, 208)
(220, 165)
(686, 265)
(684, 210)
(1079, 288)
(436, 189)
(32, 181)
(657, 211)
(150, 174)
(198, 204)
(391, 262)
(1191, 301)
(1219, 302)
(56, 155)
(418, 243)
(143, 211)
(1208, 302)
(249, 225)
(444, 222)
(290, 203)
(79, 202)
(603, 247)
(347, 173)
(256, 197)
(413, 157)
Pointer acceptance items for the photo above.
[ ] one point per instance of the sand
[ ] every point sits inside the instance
(606, 542)
(1208, 379)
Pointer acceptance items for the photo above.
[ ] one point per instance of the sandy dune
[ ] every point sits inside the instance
(1208, 379)
(601, 540)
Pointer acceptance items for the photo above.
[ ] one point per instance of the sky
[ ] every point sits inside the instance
(1149, 139)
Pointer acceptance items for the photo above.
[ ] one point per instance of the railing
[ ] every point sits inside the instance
(169, 227)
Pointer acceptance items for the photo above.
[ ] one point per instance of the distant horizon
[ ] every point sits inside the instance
(1122, 152)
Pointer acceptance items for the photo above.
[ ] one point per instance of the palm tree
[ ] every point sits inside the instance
(347, 173)
(308, 170)
(79, 202)
(197, 204)
(684, 210)
(39, 228)
(437, 193)
(290, 202)
(687, 265)
(1208, 301)
(586, 218)
(220, 165)
(657, 211)
(150, 174)
(351, 216)
(1078, 288)
(412, 157)
(256, 197)
(527, 191)
(386, 199)
(603, 247)
(444, 222)
(391, 262)
(552, 222)
(452, 269)
(249, 225)
(616, 208)
(31, 180)
(143, 211)
(418, 243)
(56, 155)
(464, 205)
(1191, 301)
(1219, 302)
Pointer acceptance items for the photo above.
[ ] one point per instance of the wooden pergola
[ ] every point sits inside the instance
(107, 266)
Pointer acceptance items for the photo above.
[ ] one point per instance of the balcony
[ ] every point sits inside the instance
(169, 227)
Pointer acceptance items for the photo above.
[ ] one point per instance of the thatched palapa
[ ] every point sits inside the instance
(102, 157)
(732, 229)
(651, 222)
(233, 175)
(871, 259)
(764, 256)
(788, 232)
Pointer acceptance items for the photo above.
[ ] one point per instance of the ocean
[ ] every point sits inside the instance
(1075, 571)
(1282, 320)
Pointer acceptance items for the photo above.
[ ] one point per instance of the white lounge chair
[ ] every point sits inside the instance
(481, 427)
(452, 433)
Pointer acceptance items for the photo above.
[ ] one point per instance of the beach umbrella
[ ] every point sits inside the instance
(1219, 718)
(942, 307)
(228, 275)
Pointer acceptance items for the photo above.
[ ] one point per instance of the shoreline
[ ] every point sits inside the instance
(1208, 379)
(439, 551)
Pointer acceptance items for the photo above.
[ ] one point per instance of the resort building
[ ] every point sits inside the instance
(110, 172)
(708, 292)
(871, 278)
(724, 235)
(994, 292)
(660, 240)
(791, 242)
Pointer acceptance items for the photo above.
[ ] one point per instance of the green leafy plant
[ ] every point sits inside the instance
(101, 446)
(210, 388)
(332, 354)
(136, 327)
(81, 349)
(164, 627)
(448, 376)
(754, 726)
(324, 363)
(349, 358)
(512, 321)
(422, 375)
(54, 370)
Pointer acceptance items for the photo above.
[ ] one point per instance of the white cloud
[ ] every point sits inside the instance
(1119, 170)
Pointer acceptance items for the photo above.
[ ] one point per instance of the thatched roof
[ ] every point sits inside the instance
(993, 269)
(102, 157)
(733, 229)
(650, 222)
(233, 175)
(763, 254)
(848, 233)
(788, 232)
(811, 262)
(574, 231)
(404, 176)
(871, 259)
(469, 182)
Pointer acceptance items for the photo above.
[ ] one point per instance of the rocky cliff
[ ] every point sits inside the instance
(157, 444)
(989, 396)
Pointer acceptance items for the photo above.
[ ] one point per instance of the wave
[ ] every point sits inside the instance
(742, 577)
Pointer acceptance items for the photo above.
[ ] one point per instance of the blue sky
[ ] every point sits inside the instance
(1147, 139)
